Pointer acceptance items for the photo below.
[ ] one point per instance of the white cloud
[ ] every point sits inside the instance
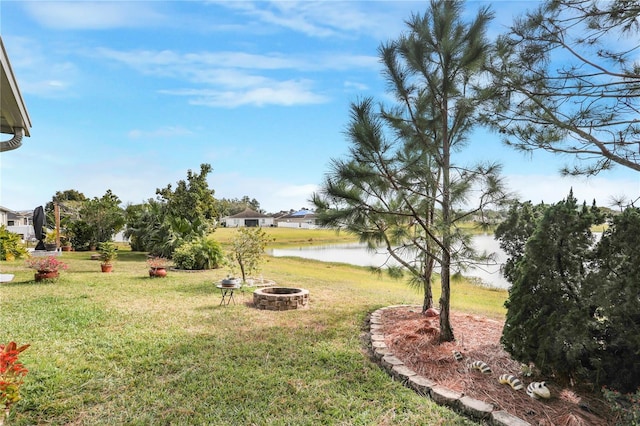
(551, 189)
(171, 63)
(273, 194)
(355, 86)
(83, 15)
(293, 191)
(286, 93)
(231, 79)
(41, 72)
(338, 19)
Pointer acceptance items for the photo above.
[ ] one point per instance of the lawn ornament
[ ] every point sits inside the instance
(481, 366)
(39, 221)
(538, 390)
(511, 380)
(432, 312)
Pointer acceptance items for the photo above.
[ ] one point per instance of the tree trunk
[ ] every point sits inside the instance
(446, 333)
(428, 291)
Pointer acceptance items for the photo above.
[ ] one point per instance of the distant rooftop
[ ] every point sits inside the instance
(300, 214)
(248, 214)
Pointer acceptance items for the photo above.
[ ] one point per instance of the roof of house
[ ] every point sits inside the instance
(248, 214)
(13, 114)
(300, 214)
(19, 214)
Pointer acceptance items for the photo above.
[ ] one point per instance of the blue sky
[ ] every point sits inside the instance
(129, 95)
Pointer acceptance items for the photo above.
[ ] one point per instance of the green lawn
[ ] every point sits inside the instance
(123, 348)
(292, 236)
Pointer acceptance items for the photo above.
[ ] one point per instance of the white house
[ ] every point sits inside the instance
(21, 223)
(4, 216)
(305, 219)
(248, 218)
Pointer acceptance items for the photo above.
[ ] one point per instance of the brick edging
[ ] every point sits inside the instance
(470, 407)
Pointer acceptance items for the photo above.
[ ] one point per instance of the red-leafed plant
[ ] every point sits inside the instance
(12, 373)
(157, 262)
(46, 264)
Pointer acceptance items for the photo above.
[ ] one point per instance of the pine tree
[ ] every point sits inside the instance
(400, 186)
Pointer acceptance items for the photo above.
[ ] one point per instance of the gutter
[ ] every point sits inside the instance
(13, 143)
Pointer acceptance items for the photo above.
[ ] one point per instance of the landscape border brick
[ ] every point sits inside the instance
(470, 407)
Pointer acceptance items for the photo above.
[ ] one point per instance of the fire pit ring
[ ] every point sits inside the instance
(281, 298)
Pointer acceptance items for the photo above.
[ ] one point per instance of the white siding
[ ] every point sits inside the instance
(26, 231)
(301, 225)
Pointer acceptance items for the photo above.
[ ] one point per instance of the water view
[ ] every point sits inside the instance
(357, 254)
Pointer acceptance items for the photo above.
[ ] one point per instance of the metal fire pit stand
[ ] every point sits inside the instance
(226, 293)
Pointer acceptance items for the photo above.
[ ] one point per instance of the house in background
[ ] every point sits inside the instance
(21, 223)
(305, 219)
(248, 218)
(14, 118)
(4, 216)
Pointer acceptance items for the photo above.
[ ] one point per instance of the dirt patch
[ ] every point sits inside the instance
(412, 337)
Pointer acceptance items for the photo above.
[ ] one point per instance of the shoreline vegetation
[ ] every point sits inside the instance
(124, 348)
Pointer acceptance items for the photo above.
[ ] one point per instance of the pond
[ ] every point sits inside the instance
(357, 254)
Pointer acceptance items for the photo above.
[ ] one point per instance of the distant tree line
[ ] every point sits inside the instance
(177, 224)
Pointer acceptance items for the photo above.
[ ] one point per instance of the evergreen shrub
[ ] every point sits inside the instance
(574, 303)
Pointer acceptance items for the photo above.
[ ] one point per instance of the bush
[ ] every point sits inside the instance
(573, 304)
(626, 406)
(81, 235)
(11, 246)
(201, 253)
(247, 250)
(184, 257)
(613, 290)
(547, 321)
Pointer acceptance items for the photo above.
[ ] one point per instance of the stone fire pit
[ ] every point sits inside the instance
(281, 298)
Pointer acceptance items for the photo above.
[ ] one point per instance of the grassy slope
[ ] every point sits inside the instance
(122, 348)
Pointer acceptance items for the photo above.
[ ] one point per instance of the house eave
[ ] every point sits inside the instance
(13, 112)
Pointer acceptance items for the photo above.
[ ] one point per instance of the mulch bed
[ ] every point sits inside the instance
(413, 337)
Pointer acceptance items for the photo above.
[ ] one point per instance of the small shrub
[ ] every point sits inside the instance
(108, 252)
(157, 262)
(247, 250)
(11, 247)
(184, 257)
(46, 264)
(201, 253)
(625, 406)
(11, 374)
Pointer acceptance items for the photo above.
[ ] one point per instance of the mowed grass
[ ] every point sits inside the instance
(292, 236)
(123, 348)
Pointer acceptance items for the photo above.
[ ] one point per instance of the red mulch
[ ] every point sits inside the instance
(412, 337)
